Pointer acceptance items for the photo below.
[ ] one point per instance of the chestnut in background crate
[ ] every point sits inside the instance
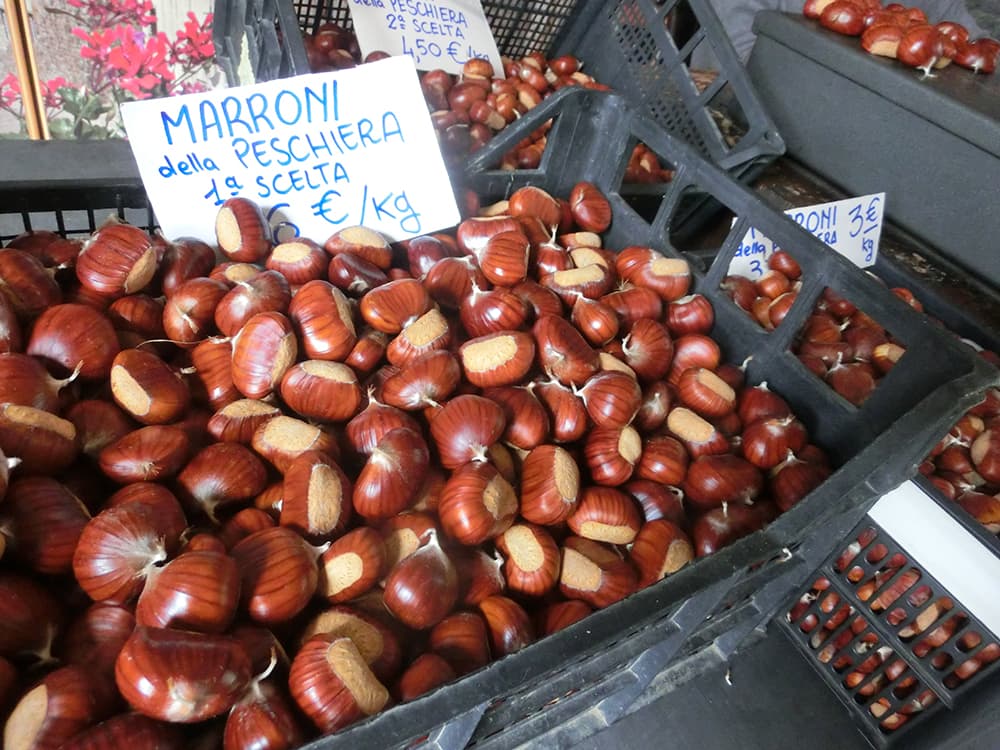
(642, 49)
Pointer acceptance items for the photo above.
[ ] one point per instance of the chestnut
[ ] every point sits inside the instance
(660, 548)
(422, 588)
(62, 704)
(563, 351)
(462, 640)
(117, 259)
(509, 625)
(323, 317)
(333, 685)
(197, 590)
(145, 455)
(550, 485)
(120, 545)
(562, 614)
(315, 496)
(590, 208)
(129, 729)
(281, 439)
(612, 398)
(714, 480)
(241, 231)
(46, 521)
(389, 308)
(477, 503)
(533, 559)
(985, 454)
(393, 474)
(611, 454)
(567, 413)
(426, 380)
(497, 359)
(594, 573)
(605, 514)
(221, 474)
(278, 572)
(262, 719)
(263, 350)
(76, 338)
(352, 565)
(464, 428)
(181, 676)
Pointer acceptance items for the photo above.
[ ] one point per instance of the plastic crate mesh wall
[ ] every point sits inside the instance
(518, 27)
(651, 71)
(72, 222)
(887, 638)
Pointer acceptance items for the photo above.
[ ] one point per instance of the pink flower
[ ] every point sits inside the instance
(140, 65)
(194, 41)
(50, 91)
(98, 43)
(105, 13)
(10, 91)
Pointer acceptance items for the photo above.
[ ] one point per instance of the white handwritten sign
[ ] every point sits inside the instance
(437, 34)
(852, 227)
(316, 152)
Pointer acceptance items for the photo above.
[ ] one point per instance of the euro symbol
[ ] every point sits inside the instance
(322, 208)
(453, 51)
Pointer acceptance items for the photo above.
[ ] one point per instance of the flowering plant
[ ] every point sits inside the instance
(127, 59)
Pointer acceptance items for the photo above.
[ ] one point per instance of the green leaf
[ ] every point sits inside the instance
(61, 128)
(71, 97)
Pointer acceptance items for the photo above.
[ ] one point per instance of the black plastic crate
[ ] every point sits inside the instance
(518, 27)
(641, 48)
(889, 640)
(39, 191)
(270, 31)
(568, 685)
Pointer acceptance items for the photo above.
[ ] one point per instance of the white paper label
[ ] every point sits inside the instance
(318, 153)
(939, 545)
(439, 34)
(851, 226)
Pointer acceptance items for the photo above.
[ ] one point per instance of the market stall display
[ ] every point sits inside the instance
(488, 485)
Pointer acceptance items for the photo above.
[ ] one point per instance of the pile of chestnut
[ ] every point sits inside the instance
(851, 352)
(905, 34)
(468, 110)
(839, 343)
(965, 464)
(253, 492)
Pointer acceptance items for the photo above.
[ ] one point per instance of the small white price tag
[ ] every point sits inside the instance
(316, 152)
(851, 226)
(437, 34)
(939, 545)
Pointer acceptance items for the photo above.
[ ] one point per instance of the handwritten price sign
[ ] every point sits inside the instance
(852, 227)
(441, 34)
(318, 153)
